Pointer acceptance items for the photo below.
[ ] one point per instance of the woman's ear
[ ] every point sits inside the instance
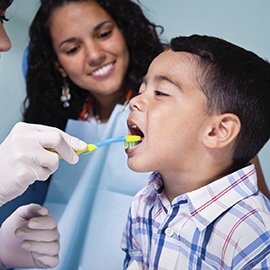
(60, 69)
(222, 130)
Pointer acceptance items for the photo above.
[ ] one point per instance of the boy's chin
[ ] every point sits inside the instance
(136, 167)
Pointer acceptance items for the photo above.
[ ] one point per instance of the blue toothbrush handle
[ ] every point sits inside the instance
(109, 141)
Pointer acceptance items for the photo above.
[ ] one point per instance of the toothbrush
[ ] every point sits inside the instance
(129, 141)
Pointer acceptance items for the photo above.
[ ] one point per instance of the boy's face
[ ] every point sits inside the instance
(170, 112)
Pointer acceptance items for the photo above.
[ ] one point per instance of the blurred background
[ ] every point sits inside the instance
(243, 22)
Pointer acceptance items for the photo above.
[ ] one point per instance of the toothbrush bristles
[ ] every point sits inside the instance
(128, 145)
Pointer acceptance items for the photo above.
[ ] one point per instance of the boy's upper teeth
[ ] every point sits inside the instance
(134, 126)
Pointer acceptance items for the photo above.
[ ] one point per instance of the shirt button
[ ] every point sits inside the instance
(169, 231)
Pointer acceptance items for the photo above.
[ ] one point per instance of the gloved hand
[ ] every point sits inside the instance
(24, 159)
(29, 238)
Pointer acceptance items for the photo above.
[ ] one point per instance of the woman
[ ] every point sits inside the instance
(116, 56)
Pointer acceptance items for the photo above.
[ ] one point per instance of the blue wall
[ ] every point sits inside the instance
(244, 22)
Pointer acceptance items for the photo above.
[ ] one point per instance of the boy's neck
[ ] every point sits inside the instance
(178, 183)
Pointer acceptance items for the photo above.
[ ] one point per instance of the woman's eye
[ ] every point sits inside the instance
(105, 34)
(72, 50)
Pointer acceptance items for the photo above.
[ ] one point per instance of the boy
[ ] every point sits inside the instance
(207, 100)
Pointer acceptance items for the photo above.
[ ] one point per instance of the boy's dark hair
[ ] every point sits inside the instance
(234, 81)
(4, 4)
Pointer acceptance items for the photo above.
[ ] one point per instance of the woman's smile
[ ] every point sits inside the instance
(103, 71)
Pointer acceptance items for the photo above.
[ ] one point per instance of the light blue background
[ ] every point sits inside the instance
(244, 22)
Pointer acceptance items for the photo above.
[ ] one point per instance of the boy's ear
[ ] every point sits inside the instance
(223, 130)
(60, 69)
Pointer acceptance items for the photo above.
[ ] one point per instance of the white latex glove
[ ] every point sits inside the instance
(24, 159)
(29, 238)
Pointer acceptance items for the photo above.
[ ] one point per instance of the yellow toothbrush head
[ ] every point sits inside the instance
(131, 140)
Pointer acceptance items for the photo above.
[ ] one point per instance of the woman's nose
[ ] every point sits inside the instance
(5, 43)
(95, 54)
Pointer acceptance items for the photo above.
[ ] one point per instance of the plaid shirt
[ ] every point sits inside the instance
(224, 225)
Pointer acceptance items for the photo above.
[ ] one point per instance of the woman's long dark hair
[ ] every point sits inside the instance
(42, 104)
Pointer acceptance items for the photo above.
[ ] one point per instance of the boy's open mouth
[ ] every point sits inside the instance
(134, 130)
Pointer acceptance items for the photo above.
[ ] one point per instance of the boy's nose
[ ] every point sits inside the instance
(136, 103)
(5, 43)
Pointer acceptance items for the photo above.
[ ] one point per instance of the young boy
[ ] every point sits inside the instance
(207, 100)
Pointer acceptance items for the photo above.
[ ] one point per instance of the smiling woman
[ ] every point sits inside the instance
(96, 58)
(92, 64)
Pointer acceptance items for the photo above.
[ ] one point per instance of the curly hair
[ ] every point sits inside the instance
(4, 4)
(42, 104)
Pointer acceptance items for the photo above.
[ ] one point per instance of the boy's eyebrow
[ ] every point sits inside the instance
(160, 78)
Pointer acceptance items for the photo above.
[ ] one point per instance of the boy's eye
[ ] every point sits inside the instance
(158, 93)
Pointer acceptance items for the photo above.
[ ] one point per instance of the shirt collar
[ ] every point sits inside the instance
(209, 202)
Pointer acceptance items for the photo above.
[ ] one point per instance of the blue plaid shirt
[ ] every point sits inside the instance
(224, 225)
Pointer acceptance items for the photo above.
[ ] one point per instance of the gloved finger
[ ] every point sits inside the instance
(58, 142)
(63, 144)
(29, 211)
(46, 261)
(72, 141)
(47, 222)
(37, 235)
(44, 248)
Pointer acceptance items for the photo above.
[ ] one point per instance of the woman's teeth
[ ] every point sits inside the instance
(102, 71)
